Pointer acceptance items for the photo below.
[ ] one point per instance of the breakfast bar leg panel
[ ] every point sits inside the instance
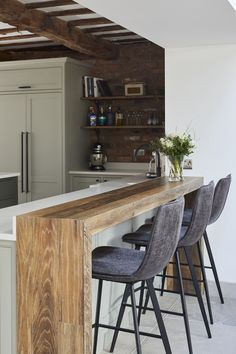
(53, 286)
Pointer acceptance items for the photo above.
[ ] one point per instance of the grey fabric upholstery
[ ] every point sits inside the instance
(122, 265)
(200, 215)
(219, 199)
(142, 236)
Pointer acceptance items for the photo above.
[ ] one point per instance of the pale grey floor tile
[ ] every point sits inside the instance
(223, 339)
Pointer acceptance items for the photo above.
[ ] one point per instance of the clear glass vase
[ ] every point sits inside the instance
(175, 168)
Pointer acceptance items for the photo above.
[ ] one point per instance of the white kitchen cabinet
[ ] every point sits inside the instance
(7, 297)
(82, 182)
(40, 118)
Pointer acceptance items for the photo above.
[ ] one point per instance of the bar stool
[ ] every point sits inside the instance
(129, 266)
(189, 236)
(219, 200)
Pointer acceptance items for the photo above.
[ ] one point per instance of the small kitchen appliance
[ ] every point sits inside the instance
(97, 158)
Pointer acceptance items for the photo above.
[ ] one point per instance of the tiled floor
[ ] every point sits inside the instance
(223, 339)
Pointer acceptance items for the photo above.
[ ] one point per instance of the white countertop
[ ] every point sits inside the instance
(107, 172)
(8, 174)
(8, 215)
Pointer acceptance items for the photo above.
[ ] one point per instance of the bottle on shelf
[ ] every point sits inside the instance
(102, 119)
(119, 117)
(92, 117)
(110, 116)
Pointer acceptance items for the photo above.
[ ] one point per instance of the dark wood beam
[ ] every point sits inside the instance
(41, 4)
(55, 29)
(70, 12)
(8, 30)
(130, 40)
(40, 53)
(120, 34)
(23, 44)
(90, 21)
(104, 29)
(18, 36)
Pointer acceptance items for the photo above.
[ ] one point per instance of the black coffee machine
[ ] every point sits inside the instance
(97, 158)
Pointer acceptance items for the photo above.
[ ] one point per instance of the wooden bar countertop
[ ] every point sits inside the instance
(54, 262)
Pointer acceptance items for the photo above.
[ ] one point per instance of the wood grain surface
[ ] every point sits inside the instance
(54, 263)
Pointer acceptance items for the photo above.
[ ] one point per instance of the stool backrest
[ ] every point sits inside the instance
(200, 216)
(219, 199)
(163, 241)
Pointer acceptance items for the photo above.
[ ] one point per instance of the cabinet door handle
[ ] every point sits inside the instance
(24, 87)
(105, 180)
(27, 161)
(22, 162)
(97, 180)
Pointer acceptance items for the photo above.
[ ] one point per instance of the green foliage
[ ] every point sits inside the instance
(174, 145)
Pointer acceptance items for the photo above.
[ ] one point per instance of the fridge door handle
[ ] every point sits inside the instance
(22, 162)
(27, 161)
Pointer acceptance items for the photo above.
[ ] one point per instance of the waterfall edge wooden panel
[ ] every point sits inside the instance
(54, 263)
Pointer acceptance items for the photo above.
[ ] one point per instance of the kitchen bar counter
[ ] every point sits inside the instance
(54, 262)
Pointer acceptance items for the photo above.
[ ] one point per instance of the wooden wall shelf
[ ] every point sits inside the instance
(106, 98)
(123, 127)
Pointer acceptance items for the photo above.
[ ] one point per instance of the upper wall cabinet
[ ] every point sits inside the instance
(31, 79)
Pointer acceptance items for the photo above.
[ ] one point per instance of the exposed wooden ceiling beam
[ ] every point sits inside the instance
(23, 44)
(89, 21)
(68, 12)
(8, 30)
(104, 29)
(40, 53)
(41, 4)
(16, 14)
(120, 34)
(18, 36)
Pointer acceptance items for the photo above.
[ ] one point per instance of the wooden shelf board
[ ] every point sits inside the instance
(123, 127)
(106, 98)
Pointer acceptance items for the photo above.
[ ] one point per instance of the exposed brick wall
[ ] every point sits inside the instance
(142, 62)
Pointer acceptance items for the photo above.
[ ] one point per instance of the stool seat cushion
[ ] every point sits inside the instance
(142, 238)
(115, 263)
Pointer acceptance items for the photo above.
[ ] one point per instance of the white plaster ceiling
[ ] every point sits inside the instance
(173, 23)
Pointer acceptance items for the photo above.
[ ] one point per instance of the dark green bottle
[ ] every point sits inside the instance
(102, 119)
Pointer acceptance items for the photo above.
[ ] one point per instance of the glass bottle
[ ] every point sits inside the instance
(102, 119)
(92, 117)
(119, 117)
(110, 116)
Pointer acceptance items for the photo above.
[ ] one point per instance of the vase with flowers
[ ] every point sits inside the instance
(175, 147)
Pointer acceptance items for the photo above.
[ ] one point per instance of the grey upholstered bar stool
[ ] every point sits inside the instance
(189, 236)
(219, 200)
(129, 266)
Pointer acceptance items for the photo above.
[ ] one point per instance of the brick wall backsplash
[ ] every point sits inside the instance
(140, 62)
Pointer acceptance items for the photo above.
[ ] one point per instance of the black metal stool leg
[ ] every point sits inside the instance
(163, 280)
(205, 282)
(96, 324)
(137, 247)
(158, 315)
(141, 301)
(197, 290)
(146, 300)
(135, 320)
(120, 317)
(184, 307)
(211, 258)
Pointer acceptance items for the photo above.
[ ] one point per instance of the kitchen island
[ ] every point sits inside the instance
(54, 261)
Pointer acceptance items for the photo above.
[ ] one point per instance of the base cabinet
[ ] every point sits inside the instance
(81, 182)
(7, 297)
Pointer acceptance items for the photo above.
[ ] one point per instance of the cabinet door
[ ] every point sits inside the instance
(45, 145)
(7, 298)
(12, 124)
(82, 182)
